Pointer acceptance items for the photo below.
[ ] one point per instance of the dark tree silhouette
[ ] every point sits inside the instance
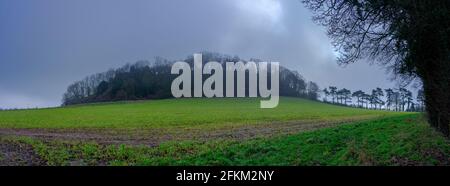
(403, 98)
(410, 37)
(145, 80)
(376, 97)
(312, 90)
(366, 99)
(421, 99)
(389, 98)
(327, 93)
(333, 92)
(344, 96)
(358, 94)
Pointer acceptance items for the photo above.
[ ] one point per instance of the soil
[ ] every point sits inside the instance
(12, 154)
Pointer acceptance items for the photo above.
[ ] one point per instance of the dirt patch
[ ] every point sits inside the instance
(15, 154)
(443, 160)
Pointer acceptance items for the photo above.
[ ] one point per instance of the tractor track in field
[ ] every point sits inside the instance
(154, 137)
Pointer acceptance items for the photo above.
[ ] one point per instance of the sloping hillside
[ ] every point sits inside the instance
(192, 113)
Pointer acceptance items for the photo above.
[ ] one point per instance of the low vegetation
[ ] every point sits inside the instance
(218, 132)
(186, 113)
(399, 140)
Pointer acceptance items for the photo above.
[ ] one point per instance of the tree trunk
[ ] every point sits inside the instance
(437, 97)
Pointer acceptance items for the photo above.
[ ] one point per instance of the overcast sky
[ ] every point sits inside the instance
(45, 45)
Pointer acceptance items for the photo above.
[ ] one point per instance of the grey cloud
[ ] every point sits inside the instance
(46, 45)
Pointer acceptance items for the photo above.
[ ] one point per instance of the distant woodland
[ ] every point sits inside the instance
(152, 80)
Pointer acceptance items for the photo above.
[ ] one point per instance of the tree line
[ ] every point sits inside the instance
(400, 99)
(152, 80)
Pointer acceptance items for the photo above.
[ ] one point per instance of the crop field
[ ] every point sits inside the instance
(217, 132)
(188, 113)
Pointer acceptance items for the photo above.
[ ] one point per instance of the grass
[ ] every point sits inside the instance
(179, 113)
(399, 140)
(388, 138)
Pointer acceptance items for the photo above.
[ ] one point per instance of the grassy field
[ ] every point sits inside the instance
(180, 113)
(218, 132)
(401, 140)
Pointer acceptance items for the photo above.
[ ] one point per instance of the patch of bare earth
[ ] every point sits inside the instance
(18, 154)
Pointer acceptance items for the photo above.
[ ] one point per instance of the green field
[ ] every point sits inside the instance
(217, 132)
(180, 113)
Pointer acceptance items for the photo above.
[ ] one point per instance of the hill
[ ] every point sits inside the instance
(189, 112)
(152, 80)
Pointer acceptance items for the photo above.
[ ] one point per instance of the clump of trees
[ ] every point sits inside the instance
(141, 80)
(400, 99)
(410, 37)
(146, 80)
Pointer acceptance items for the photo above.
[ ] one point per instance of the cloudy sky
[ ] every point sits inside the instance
(45, 45)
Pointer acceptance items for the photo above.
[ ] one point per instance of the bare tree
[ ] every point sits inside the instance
(410, 37)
